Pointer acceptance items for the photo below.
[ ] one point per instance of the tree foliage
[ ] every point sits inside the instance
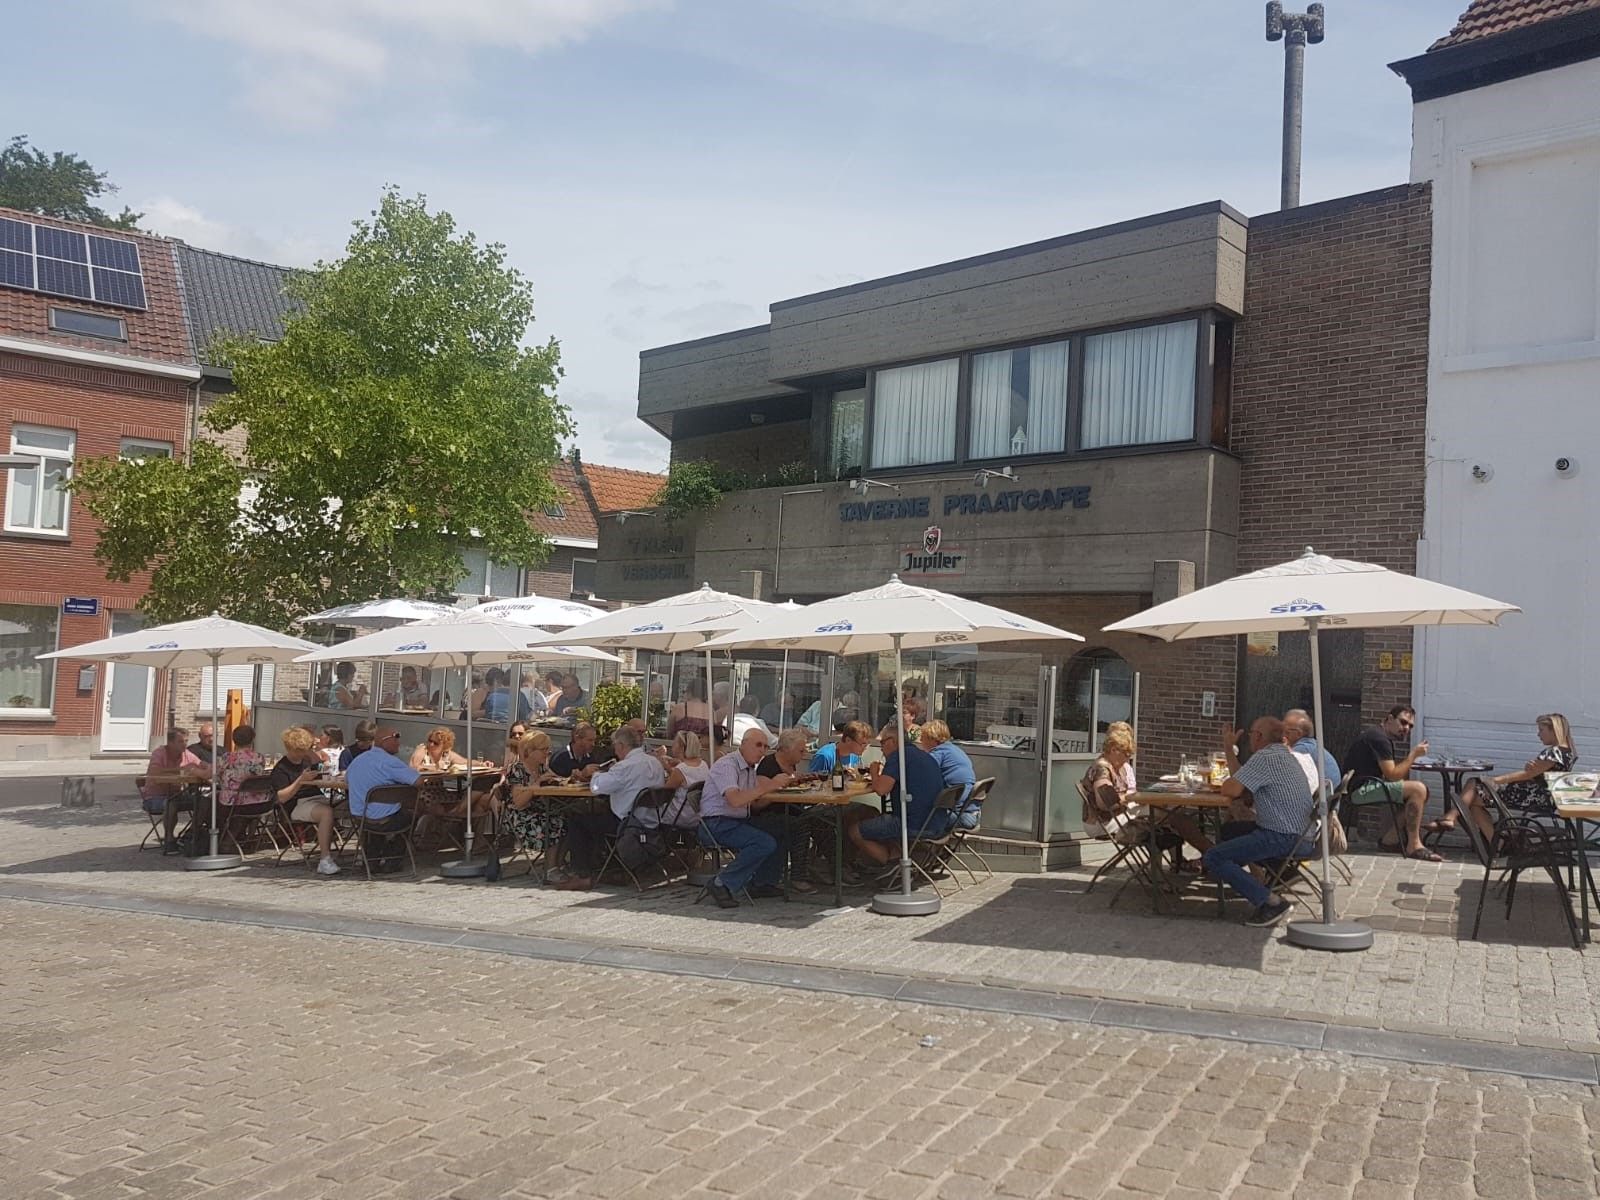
(695, 485)
(57, 185)
(399, 419)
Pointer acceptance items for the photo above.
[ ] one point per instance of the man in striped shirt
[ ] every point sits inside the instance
(1276, 787)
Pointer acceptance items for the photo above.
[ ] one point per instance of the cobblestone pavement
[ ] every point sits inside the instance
(1523, 982)
(148, 1057)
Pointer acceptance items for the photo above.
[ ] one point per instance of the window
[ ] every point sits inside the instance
(1138, 386)
(583, 577)
(554, 510)
(845, 432)
(140, 450)
(914, 414)
(87, 324)
(36, 498)
(27, 686)
(1019, 402)
(1076, 698)
(485, 577)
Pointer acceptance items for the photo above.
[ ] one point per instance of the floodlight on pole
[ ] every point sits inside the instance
(1295, 31)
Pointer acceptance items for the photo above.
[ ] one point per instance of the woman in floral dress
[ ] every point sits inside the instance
(531, 824)
(1526, 790)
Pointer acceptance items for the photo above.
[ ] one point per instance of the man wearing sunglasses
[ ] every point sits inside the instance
(1379, 778)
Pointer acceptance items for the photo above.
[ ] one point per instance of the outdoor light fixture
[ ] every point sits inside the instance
(1482, 472)
(862, 484)
(981, 479)
(1566, 466)
(624, 514)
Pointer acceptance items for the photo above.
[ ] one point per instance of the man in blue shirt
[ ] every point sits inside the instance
(730, 807)
(377, 768)
(1301, 734)
(1281, 797)
(853, 739)
(934, 737)
(878, 838)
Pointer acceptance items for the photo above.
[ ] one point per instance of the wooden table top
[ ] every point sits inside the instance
(559, 790)
(819, 795)
(1179, 799)
(1579, 810)
(198, 774)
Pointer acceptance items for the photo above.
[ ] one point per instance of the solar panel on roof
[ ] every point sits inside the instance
(60, 243)
(113, 253)
(118, 287)
(64, 278)
(16, 270)
(16, 235)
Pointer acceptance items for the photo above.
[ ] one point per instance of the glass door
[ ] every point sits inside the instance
(129, 696)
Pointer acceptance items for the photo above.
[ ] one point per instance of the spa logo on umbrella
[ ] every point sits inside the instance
(410, 646)
(1301, 605)
(653, 627)
(162, 646)
(836, 627)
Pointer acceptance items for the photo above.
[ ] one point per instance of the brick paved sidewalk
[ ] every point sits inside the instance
(1523, 983)
(149, 1057)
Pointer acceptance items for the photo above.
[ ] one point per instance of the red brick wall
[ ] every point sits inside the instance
(102, 407)
(1330, 391)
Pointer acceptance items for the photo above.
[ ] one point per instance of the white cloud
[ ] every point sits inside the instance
(171, 217)
(308, 57)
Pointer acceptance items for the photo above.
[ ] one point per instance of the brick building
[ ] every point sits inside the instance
(1078, 427)
(95, 360)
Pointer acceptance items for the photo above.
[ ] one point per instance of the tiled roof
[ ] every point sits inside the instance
(616, 488)
(1485, 18)
(600, 489)
(229, 295)
(577, 518)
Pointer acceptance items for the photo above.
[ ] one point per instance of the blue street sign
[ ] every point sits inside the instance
(81, 606)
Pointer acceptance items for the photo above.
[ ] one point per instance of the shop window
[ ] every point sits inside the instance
(1077, 703)
(914, 414)
(143, 449)
(583, 576)
(36, 497)
(1019, 401)
(1139, 386)
(845, 433)
(482, 576)
(87, 324)
(27, 686)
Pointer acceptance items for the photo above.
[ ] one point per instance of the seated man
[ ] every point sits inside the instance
(934, 737)
(733, 796)
(1282, 802)
(1301, 732)
(1378, 779)
(577, 759)
(878, 838)
(378, 767)
(788, 753)
(205, 747)
(854, 738)
(572, 696)
(633, 772)
(167, 800)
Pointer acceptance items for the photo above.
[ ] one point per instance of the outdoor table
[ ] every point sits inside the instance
(1161, 805)
(1577, 814)
(1452, 774)
(829, 801)
(562, 799)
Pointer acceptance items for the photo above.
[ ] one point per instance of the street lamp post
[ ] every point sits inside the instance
(1295, 31)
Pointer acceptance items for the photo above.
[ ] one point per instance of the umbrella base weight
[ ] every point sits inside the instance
(899, 904)
(1330, 935)
(213, 862)
(463, 868)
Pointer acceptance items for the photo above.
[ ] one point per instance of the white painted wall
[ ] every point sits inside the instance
(1514, 384)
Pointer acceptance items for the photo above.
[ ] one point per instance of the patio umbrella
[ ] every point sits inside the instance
(1308, 593)
(379, 614)
(457, 640)
(671, 626)
(215, 640)
(544, 612)
(897, 616)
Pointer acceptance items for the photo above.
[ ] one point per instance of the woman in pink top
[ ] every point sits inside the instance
(241, 763)
(167, 799)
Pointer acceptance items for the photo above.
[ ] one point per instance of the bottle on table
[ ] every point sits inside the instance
(838, 777)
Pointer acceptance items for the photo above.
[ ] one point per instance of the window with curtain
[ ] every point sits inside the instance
(1138, 386)
(36, 496)
(845, 432)
(914, 414)
(1019, 401)
(27, 631)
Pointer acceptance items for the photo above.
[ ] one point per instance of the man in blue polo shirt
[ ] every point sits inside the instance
(878, 838)
(377, 768)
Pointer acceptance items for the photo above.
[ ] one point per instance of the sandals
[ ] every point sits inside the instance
(1423, 854)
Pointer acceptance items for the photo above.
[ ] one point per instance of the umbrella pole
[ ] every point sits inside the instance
(903, 903)
(783, 696)
(711, 707)
(215, 861)
(465, 868)
(1328, 933)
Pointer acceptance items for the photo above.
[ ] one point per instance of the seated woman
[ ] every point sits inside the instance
(345, 692)
(692, 714)
(294, 781)
(243, 762)
(517, 732)
(432, 758)
(1526, 790)
(531, 825)
(1107, 812)
(686, 766)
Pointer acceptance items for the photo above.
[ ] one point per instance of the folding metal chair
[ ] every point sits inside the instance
(958, 849)
(1296, 871)
(257, 812)
(405, 795)
(930, 851)
(652, 801)
(1133, 853)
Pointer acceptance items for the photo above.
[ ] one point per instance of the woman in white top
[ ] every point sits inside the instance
(685, 768)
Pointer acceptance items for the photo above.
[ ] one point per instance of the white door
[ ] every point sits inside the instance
(130, 695)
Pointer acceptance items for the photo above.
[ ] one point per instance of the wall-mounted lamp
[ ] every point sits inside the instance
(1566, 466)
(1482, 472)
(757, 418)
(862, 484)
(981, 479)
(623, 515)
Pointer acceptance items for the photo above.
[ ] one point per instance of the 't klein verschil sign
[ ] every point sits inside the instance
(966, 504)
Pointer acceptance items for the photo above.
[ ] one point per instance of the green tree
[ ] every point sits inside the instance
(399, 419)
(57, 185)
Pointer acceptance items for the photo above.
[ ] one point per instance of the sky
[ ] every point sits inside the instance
(665, 169)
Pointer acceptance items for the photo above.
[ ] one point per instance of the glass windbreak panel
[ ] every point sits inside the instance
(914, 414)
(1138, 386)
(1019, 401)
(27, 631)
(988, 697)
(847, 430)
(1076, 701)
(343, 686)
(409, 689)
(779, 690)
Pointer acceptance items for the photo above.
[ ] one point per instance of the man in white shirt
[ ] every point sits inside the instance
(633, 772)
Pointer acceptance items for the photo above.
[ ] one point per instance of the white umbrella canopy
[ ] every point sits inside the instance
(541, 611)
(894, 617)
(670, 626)
(205, 641)
(1309, 593)
(379, 614)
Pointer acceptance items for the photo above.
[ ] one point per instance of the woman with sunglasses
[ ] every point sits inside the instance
(1527, 790)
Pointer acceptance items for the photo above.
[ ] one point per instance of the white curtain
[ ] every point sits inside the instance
(1138, 386)
(1000, 412)
(991, 405)
(1047, 398)
(914, 414)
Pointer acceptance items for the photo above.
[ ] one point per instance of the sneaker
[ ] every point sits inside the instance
(327, 866)
(1269, 913)
(722, 896)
